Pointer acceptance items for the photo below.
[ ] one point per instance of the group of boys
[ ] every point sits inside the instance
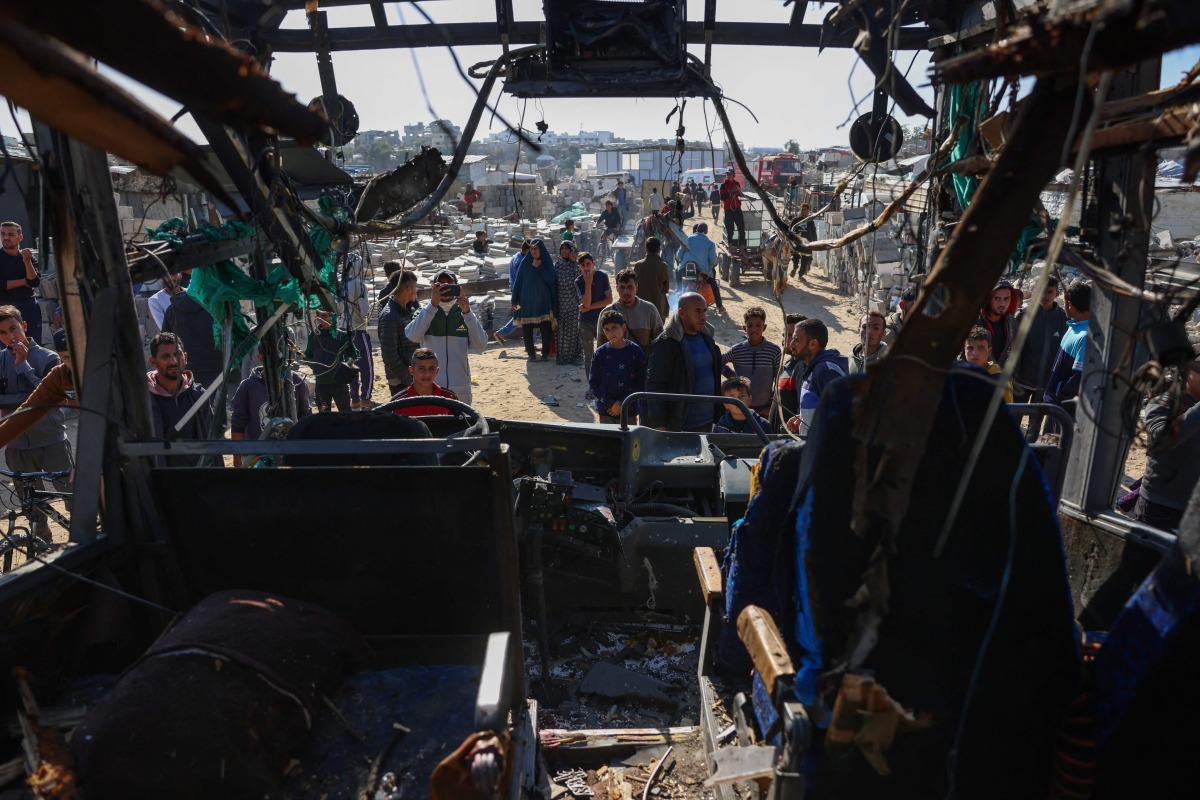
(1050, 368)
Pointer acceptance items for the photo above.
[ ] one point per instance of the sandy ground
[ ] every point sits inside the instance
(510, 387)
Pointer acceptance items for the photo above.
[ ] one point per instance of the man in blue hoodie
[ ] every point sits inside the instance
(822, 366)
(700, 250)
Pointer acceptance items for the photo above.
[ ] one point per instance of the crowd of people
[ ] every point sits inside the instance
(621, 330)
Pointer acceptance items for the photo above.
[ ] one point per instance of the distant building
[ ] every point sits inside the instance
(441, 133)
(370, 137)
(656, 163)
(552, 139)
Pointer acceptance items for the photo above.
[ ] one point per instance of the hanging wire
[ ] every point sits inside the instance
(463, 73)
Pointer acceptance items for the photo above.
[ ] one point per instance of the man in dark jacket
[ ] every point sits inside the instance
(822, 366)
(684, 359)
(250, 409)
(1173, 457)
(997, 319)
(807, 231)
(194, 324)
(654, 277)
(395, 347)
(1041, 347)
(791, 375)
(173, 392)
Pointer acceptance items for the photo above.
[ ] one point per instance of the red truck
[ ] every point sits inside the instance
(774, 170)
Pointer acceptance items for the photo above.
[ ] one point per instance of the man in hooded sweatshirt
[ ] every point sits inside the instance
(449, 328)
(822, 366)
(684, 359)
(173, 392)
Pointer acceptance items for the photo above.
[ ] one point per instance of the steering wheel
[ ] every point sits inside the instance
(478, 425)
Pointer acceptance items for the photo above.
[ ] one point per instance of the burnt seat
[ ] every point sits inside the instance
(360, 425)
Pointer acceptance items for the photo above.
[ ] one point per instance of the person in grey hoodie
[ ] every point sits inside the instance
(1173, 457)
(250, 413)
(394, 345)
(173, 393)
(44, 447)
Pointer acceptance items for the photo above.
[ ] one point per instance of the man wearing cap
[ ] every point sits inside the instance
(731, 202)
(449, 328)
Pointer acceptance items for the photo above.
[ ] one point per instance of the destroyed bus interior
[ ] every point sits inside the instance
(925, 592)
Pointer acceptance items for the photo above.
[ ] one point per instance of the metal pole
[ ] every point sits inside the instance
(1125, 193)
(269, 348)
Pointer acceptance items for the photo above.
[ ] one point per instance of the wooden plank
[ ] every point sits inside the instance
(709, 573)
(1171, 126)
(758, 632)
(599, 738)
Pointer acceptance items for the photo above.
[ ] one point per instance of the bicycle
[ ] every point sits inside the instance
(604, 247)
(33, 501)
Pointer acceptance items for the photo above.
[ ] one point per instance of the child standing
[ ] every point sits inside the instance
(734, 421)
(978, 351)
(618, 369)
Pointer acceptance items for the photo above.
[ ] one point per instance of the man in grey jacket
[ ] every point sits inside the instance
(44, 447)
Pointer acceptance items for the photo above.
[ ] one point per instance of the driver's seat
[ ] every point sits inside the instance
(360, 425)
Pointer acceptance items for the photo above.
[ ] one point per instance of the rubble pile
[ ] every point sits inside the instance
(874, 269)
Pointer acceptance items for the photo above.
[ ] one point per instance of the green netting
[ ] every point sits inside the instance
(576, 211)
(964, 100)
(1029, 234)
(222, 286)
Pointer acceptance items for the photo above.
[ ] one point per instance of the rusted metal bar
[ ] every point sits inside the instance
(205, 74)
(896, 423)
(526, 32)
(50, 81)
(1054, 43)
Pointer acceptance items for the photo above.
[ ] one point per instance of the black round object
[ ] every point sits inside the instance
(874, 140)
(343, 120)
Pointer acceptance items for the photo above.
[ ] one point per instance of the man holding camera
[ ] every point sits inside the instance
(449, 328)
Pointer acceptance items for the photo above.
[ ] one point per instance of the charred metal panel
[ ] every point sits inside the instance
(397, 191)
(1104, 568)
(602, 48)
(205, 74)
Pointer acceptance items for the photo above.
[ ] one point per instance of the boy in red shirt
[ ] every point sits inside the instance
(424, 369)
